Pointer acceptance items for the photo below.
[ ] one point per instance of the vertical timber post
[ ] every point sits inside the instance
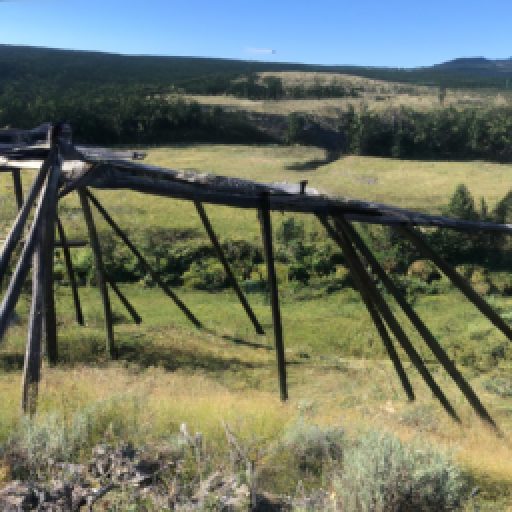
(32, 364)
(100, 272)
(48, 250)
(71, 274)
(18, 189)
(266, 227)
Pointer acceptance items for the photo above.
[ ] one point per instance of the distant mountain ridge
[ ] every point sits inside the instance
(56, 68)
(477, 65)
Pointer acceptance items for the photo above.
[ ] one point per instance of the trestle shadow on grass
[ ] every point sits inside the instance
(252, 344)
(315, 163)
(11, 362)
(147, 355)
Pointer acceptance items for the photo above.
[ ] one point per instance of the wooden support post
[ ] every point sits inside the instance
(126, 303)
(18, 189)
(422, 329)
(222, 258)
(48, 253)
(394, 325)
(32, 364)
(71, 274)
(19, 224)
(266, 226)
(373, 311)
(100, 272)
(23, 265)
(417, 240)
(119, 232)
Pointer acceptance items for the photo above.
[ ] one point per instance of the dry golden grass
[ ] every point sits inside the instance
(360, 396)
(241, 387)
(334, 107)
(375, 95)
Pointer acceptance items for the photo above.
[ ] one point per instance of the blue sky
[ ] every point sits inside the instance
(375, 33)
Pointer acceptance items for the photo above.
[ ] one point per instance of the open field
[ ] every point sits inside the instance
(425, 186)
(376, 95)
(169, 373)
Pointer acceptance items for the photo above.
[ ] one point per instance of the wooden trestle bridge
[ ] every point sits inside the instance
(63, 168)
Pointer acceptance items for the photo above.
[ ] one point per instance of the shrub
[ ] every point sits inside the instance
(50, 438)
(380, 474)
(206, 274)
(481, 281)
(500, 386)
(290, 230)
(313, 446)
(305, 453)
(424, 270)
(503, 283)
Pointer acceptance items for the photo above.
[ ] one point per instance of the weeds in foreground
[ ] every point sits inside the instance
(309, 467)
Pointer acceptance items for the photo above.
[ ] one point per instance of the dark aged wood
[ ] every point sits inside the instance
(100, 273)
(32, 364)
(16, 230)
(222, 258)
(394, 325)
(239, 193)
(47, 248)
(100, 168)
(120, 233)
(126, 303)
(372, 310)
(461, 283)
(266, 227)
(18, 188)
(22, 267)
(71, 273)
(422, 329)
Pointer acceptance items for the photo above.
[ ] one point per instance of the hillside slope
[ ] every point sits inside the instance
(23, 65)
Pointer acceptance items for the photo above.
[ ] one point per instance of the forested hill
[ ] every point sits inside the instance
(24, 67)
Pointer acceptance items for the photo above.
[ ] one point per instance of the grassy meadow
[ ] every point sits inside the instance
(375, 95)
(169, 372)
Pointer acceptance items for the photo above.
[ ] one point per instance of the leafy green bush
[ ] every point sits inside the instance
(290, 229)
(424, 270)
(381, 474)
(206, 274)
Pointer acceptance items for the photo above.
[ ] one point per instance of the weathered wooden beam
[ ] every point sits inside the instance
(18, 189)
(23, 265)
(372, 310)
(222, 258)
(48, 250)
(239, 193)
(418, 241)
(100, 273)
(266, 226)
(126, 303)
(32, 363)
(395, 326)
(142, 261)
(16, 230)
(71, 273)
(422, 329)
